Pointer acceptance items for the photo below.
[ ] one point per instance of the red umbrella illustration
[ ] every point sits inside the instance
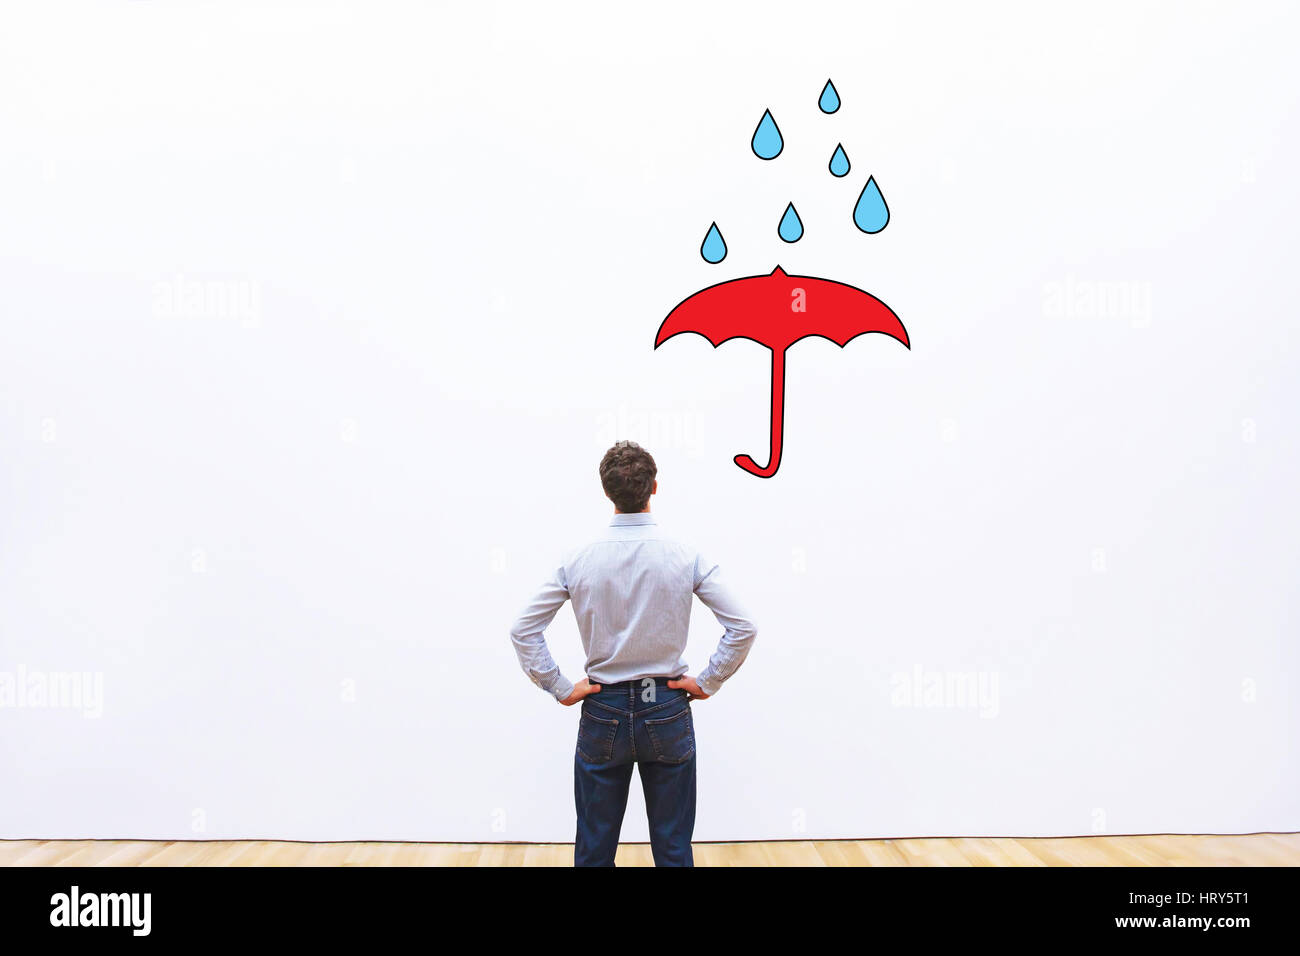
(777, 311)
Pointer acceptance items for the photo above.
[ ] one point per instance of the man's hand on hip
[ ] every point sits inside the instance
(688, 684)
(580, 690)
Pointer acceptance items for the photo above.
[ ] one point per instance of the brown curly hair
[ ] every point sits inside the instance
(627, 473)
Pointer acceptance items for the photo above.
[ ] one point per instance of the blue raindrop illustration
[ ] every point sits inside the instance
(713, 249)
(830, 100)
(871, 214)
(767, 142)
(839, 162)
(791, 228)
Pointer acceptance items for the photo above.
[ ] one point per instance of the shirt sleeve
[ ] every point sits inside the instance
(739, 628)
(530, 641)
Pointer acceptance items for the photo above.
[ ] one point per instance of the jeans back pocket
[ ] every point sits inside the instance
(596, 737)
(673, 738)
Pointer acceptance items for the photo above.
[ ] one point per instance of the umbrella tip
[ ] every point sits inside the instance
(778, 271)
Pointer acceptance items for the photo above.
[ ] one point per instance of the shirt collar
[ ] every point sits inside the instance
(641, 518)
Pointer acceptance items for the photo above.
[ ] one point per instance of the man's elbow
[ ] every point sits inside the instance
(520, 635)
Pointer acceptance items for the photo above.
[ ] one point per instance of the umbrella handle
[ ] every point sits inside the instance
(778, 419)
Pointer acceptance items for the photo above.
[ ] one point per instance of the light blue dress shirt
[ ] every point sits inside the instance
(631, 591)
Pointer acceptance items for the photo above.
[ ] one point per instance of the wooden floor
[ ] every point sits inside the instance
(1256, 849)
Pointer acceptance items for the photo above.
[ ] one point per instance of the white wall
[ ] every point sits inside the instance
(288, 529)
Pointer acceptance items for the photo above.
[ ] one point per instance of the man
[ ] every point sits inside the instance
(631, 592)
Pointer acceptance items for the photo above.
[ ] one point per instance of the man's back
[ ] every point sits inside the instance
(631, 591)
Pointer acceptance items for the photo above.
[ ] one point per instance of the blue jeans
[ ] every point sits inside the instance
(649, 725)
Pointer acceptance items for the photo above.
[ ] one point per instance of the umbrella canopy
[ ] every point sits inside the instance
(777, 310)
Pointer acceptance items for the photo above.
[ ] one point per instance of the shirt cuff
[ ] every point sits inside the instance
(708, 684)
(562, 689)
